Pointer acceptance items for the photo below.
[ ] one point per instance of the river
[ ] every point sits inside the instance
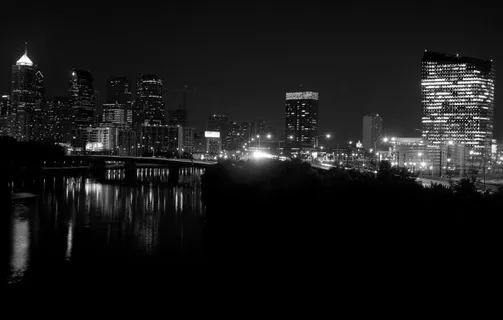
(76, 227)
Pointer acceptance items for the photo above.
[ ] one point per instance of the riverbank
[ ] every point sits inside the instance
(287, 211)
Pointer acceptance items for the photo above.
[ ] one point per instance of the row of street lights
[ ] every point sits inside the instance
(290, 137)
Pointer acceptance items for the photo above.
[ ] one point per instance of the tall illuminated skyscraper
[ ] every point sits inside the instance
(82, 100)
(301, 118)
(372, 131)
(458, 100)
(149, 106)
(26, 91)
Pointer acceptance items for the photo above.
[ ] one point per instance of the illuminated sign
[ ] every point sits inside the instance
(94, 146)
(308, 95)
(212, 134)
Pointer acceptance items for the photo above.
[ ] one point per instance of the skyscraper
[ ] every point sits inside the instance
(81, 95)
(149, 105)
(26, 90)
(302, 118)
(118, 107)
(372, 131)
(458, 100)
(118, 90)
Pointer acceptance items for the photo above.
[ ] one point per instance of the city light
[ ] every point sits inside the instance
(261, 155)
(269, 136)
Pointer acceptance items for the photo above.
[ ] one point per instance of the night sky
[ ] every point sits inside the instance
(240, 59)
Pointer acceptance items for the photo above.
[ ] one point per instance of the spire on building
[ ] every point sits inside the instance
(24, 60)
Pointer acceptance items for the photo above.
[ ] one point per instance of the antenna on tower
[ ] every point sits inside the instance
(25, 47)
(185, 97)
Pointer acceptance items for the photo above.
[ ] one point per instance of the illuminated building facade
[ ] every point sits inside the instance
(156, 138)
(82, 99)
(117, 114)
(26, 91)
(188, 139)
(302, 118)
(458, 100)
(5, 111)
(244, 132)
(373, 131)
(149, 107)
(128, 142)
(213, 146)
(98, 139)
(234, 139)
(62, 117)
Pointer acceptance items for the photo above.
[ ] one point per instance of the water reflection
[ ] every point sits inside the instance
(20, 248)
(76, 219)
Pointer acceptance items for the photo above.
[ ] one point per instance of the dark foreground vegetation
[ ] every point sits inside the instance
(290, 213)
(25, 159)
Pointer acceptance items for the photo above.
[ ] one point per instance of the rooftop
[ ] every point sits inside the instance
(24, 60)
(486, 65)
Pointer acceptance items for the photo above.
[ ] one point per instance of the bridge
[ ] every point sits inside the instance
(175, 162)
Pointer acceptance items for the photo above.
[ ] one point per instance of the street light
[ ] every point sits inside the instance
(316, 138)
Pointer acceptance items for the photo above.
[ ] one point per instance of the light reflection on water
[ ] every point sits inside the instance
(85, 216)
(20, 255)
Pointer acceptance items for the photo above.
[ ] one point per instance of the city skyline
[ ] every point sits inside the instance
(243, 59)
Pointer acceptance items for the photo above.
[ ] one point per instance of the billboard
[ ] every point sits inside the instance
(211, 134)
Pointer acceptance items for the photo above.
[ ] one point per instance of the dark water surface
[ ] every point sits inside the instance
(81, 230)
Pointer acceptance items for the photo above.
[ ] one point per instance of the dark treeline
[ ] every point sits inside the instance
(20, 158)
(266, 212)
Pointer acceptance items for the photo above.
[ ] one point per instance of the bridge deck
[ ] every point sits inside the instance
(172, 161)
